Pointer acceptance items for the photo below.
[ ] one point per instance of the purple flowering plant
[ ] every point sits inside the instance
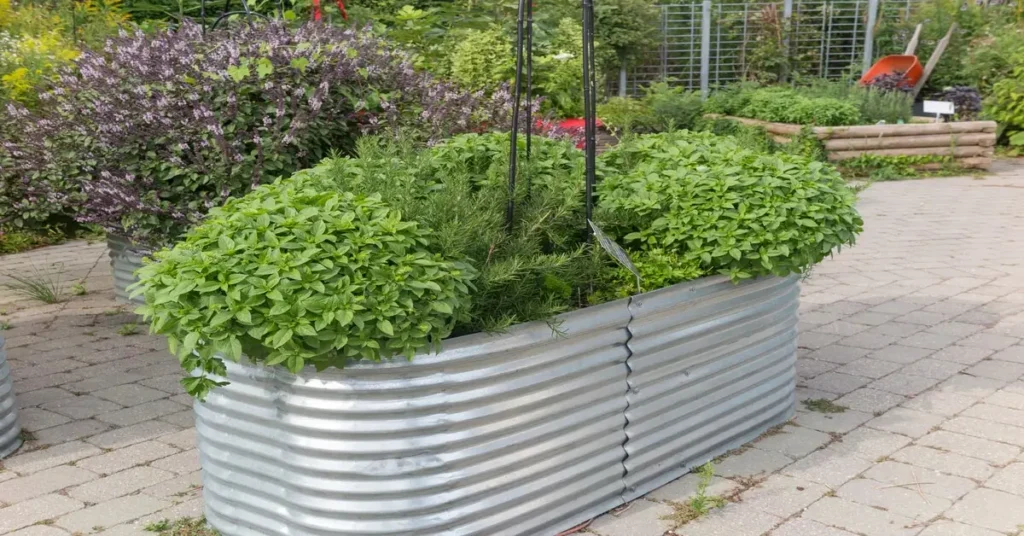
(146, 135)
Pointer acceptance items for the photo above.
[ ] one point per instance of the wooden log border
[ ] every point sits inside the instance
(970, 143)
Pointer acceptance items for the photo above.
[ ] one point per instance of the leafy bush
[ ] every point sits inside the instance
(483, 59)
(875, 104)
(727, 209)
(731, 99)
(966, 101)
(157, 129)
(298, 273)
(784, 105)
(1006, 104)
(560, 71)
(662, 109)
(459, 190)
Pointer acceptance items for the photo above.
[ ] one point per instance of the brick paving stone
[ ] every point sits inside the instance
(1005, 433)
(842, 328)
(997, 370)
(984, 449)
(71, 431)
(1009, 479)
(803, 394)
(860, 519)
(42, 483)
(184, 439)
(35, 419)
(931, 341)
(827, 466)
(141, 412)
(923, 318)
(805, 527)
(30, 462)
(679, 490)
(35, 510)
(182, 419)
(940, 403)
(812, 340)
(732, 520)
(896, 307)
(130, 394)
(992, 509)
(904, 384)
(869, 444)
(793, 441)
(41, 396)
(963, 384)
(988, 412)
(945, 527)
(839, 354)
(189, 485)
(963, 329)
(39, 530)
(642, 518)
(990, 341)
(81, 407)
(121, 459)
(110, 513)
(834, 382)
(1013, 354)
(869, 341)
(119, 484)
(906, 422)
(129, 435)
(185, 462)
(869, 368)
(902, 501)
(782, 495)
(870, 400)
(1006, 399)
(962, 354)
(934, 368)
(832, 422)
(809, 368)
(897, 353)
(947, 462)
(751, 462)
(921, 480)
(896, 329)
(871, 319)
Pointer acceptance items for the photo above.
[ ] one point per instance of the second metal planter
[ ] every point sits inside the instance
(10, 431)
(525, 433)
(124, 260)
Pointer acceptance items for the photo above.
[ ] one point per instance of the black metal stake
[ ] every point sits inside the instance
(513, 155)
(529, 88)
(589, 110)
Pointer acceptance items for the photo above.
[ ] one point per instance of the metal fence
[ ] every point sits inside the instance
(709, 43)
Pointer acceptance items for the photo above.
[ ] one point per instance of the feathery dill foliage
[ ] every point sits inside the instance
(155, 129)
(458, 189)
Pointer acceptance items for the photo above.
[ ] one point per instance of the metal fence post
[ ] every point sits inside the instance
(869, 35)
(705, 49)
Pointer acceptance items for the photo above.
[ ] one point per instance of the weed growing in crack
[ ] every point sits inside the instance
(78, 289)
(701, 503)
(43, 286)
(822, 405)
(182, 527)
(128, 330)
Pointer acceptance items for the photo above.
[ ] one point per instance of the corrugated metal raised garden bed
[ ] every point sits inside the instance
(524, 433)
(10, 431)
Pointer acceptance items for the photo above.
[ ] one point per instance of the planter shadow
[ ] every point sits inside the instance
(528, 432)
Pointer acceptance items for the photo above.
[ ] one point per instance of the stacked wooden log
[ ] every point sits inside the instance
(970, 143)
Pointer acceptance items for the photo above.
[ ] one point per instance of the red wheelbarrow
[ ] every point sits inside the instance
(897, 64)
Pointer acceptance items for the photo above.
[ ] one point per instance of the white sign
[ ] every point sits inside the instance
(938, 107)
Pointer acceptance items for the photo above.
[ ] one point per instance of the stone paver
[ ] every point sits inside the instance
(917, 331)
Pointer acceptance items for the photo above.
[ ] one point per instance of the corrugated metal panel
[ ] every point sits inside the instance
(10, 431)
(712, 368)
(517, 434)
(124, 260)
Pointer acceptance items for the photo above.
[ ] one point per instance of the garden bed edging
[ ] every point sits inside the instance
(527, 432)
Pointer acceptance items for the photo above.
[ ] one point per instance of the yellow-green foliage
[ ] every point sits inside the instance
(483, 58)
(36, 40)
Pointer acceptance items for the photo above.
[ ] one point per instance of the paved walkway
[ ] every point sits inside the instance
(916, 332)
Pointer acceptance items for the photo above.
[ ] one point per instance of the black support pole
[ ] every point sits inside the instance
(529, 87)
(513, 156)
(589, 109)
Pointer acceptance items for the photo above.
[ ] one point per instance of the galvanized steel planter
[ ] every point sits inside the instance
(10, 431)
(712, 367)
(124, 260)
(525, 433)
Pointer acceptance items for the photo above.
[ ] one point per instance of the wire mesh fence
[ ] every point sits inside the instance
(758, 40)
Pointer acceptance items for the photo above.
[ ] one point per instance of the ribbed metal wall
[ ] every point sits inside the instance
(124, 260)
(10, 431)
(526, 433)
(712, 367)
(515, 434)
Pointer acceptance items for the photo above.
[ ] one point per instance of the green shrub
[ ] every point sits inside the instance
(783, 105)
(728, 209)
(458, 189)
(624, 115)
(730, 99)
(297, 273)
(1006, 104)
(483, 58)
(663, 108)
(874, 104)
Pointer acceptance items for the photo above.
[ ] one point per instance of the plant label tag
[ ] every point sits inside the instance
(616, 251)
(938, 107)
